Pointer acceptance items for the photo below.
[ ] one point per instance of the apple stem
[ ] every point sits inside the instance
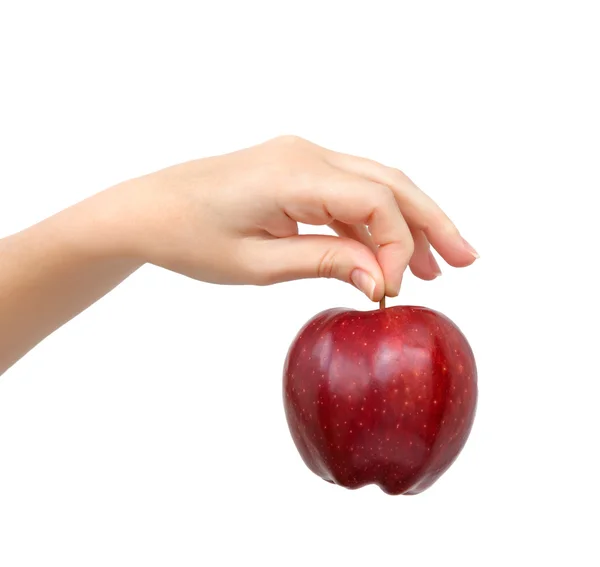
(382, 303)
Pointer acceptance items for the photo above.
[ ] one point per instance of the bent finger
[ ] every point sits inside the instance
(420, 211)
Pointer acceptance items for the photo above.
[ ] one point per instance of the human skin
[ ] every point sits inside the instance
(230, 219)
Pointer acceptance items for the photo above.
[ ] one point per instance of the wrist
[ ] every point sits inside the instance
(100, 226)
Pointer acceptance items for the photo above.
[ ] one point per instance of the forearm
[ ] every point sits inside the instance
(54, 270)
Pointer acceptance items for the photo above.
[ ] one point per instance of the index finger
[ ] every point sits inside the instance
(352, 199)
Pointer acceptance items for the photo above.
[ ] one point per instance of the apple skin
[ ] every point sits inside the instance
(385, 397)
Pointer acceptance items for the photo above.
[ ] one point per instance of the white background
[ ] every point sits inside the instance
(150, 430)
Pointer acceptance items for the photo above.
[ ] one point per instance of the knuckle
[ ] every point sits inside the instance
(290, 140)
(409, 246)
(397, 176)
(382, 196)
(440, 223)
(292, 161)
(327, 263)
(406, 246)
(405, 250)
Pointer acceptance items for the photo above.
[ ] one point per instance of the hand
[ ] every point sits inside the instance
(234, 219)
(226, 219)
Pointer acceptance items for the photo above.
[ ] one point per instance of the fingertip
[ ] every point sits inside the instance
(394, 258)
(363, 281)
(425, 275)
(454, 249)
(379, 292)
(461, 260)
(392, 293)
(470, 248)
(392, 289)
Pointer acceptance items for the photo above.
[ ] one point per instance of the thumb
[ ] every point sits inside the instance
(316, 256)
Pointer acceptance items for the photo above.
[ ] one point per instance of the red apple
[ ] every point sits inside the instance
(385, 397)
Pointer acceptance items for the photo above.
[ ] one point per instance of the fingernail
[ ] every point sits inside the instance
(470, 249)
(364, 282)
(435, 267)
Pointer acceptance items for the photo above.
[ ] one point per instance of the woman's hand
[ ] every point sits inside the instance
(234, 219)
(226, 219)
